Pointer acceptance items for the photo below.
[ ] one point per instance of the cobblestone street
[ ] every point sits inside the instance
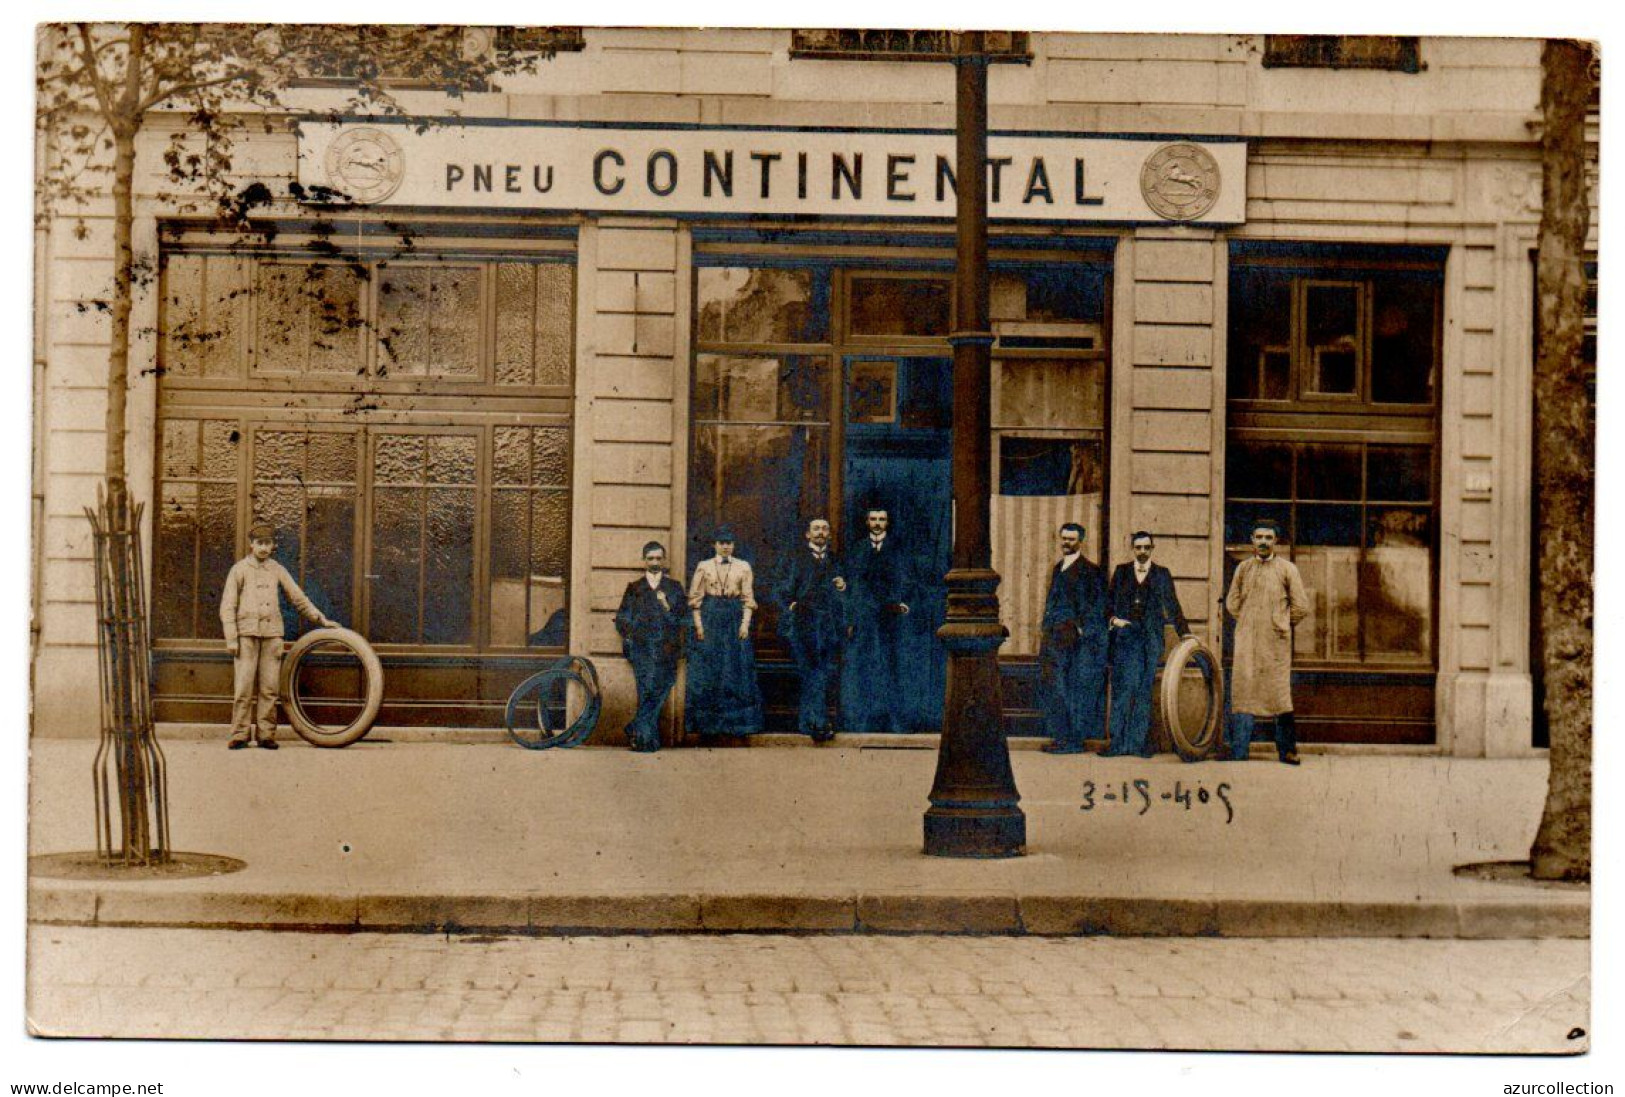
(1388, 995)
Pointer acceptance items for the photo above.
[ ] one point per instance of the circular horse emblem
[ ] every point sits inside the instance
(365, 165)
(1180, 182)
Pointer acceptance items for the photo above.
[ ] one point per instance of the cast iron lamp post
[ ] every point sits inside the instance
(974, 808)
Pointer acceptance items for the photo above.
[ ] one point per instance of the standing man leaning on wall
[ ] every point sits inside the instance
(650, 621)
(1144, 603)
(1267, 599)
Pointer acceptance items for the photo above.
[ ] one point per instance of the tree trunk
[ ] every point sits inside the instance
(118, 356)
(1564, 465)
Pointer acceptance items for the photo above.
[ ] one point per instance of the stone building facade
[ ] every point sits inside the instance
(677, 278)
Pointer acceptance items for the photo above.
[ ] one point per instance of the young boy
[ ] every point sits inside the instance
(252, 619)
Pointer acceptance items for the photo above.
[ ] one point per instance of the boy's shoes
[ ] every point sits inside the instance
(237, 744)
(268, 744)
(1290, 759)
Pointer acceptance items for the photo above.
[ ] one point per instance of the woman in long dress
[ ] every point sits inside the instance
(723, 697)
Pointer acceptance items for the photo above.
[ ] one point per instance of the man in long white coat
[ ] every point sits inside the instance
(1267, 598)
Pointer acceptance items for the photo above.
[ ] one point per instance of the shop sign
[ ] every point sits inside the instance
(767, 172)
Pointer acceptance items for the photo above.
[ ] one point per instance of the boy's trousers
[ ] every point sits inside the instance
(255, 680)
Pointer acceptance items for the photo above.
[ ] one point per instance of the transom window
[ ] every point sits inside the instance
(1334, 335)
(477, 322)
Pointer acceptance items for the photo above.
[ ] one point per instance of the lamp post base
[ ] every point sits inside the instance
(975, 833)
(974, 808)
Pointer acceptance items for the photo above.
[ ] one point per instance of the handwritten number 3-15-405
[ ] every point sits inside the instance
(1139, 792)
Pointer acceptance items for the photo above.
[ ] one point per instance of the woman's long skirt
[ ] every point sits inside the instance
(723, 697)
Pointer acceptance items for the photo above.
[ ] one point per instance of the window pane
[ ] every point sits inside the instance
(180, 448)
(1329, 472)
(331, 457)
(1059, 294)
(516, 324)
(1260, 333)
(764, 481)
(762, 305)
(927, 393)
(1049, 466)
(1396, 610)
(1399, 527)
(510, 535)
(1403, 339)
(279, 454)
(217, 551)
(555, 323)
(550, 456)
(1332, 333)
(511, 461)
(550, 534)
(309, 318)
(794, 388)
(203, 303)
(221, 446)
(897, 306)
(1330, 580)
(1258, 470)
(429, 321)
(1327, 524)
(448, 568)
(398, 458)
(394, 579)
(452, 459)
(535, 323)
(174, 579)
(1050, 393)
(329, 551)
(871, 395)
(1399, 473)
(1239, 519)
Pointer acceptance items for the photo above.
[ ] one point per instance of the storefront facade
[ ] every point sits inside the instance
(681, 279)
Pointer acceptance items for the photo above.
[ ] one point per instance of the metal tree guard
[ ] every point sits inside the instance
(128, 747)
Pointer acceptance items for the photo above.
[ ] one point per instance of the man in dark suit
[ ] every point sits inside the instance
(1072, 648)
(812, 591)
(1144, 602)
(650, 622)
(872, 690)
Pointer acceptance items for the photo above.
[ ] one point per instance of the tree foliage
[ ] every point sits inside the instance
(99, 85)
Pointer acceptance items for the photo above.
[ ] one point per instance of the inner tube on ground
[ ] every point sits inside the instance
(322, 735)
(1193, 744)
(538, 690)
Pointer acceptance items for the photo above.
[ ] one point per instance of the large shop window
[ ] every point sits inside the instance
(822, 387)
(1333, 371)
(404, 422)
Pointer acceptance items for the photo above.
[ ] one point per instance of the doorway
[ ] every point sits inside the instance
(898, 423)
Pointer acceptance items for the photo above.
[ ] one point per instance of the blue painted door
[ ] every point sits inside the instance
(898, 420)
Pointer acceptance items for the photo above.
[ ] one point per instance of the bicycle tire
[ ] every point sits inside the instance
(570, 668)
(1192, 745)
(320, 735)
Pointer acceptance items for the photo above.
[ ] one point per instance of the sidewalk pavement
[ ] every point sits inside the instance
(434, 836)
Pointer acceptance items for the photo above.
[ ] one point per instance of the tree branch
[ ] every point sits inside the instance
(93, 70)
